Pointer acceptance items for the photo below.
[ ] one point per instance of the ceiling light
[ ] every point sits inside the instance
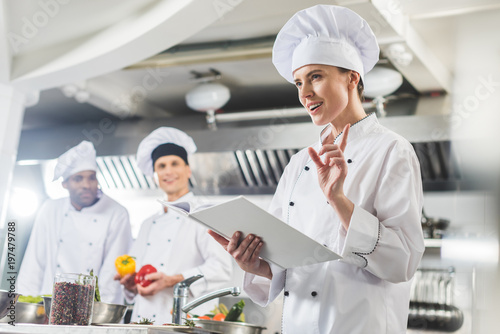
(397, 53)
(77, 90)
(208, 97)
(381, 81)
(69, 90)
(82, 96)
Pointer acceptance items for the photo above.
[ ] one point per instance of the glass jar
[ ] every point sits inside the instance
(72, 300)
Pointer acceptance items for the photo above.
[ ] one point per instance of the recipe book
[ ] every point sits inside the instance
(283, 245)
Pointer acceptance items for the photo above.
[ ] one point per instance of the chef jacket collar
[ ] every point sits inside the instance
(357, 129)
(189, 197)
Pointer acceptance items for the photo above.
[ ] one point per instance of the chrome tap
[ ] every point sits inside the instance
(235, 291)
(181, 290)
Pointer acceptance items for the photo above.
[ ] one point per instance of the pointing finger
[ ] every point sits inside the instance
(343, 143)
(315, 157)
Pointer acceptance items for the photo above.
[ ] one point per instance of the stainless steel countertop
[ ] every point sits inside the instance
(116, 329)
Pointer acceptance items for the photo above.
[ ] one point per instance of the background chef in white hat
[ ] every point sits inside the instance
(357, 190)
(175, 245)
(84, 231)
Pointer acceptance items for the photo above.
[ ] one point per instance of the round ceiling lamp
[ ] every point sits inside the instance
(380, 82)
(208, 97)
(77, 90)
(397, 53)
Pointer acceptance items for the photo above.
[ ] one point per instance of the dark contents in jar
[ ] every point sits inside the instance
(71, 304)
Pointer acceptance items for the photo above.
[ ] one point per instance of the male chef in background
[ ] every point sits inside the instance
(87, 230)
(174, 244)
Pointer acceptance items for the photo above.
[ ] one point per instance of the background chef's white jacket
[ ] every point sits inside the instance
(64, 240)
(174, 244)
(368, 290)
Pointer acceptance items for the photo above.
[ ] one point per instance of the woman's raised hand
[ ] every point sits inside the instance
(333, 171)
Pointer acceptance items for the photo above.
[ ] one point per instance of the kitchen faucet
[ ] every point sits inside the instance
(181, 290)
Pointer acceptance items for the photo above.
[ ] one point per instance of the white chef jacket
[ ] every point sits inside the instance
(64, 240)
(174, 244)
(368, 290)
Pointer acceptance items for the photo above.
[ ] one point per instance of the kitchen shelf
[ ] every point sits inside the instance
(433, 243)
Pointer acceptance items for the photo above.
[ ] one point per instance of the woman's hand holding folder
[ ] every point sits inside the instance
(245, 252)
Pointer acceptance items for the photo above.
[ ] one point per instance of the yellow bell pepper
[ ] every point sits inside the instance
(125, 264)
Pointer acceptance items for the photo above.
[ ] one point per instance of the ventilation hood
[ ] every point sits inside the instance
(257, 172)
(237, 159)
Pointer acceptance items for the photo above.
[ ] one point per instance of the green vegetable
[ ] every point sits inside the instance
(235, 311)
(97, 296)
(30, 299)
(189, 323)
(144, 321)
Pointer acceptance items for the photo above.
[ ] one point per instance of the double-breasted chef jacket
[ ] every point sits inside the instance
(367, 291)
(64, 240)
(174, 244)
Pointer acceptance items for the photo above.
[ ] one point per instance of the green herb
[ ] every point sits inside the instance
(97, 296)
(189, 323)
(144, 321)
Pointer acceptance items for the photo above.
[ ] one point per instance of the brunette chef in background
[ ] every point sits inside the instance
(357, 190)
(86, 231)
(175, 245)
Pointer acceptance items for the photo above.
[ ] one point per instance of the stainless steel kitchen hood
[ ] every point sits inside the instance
(257, 171)
(217, 173)
(246, 157)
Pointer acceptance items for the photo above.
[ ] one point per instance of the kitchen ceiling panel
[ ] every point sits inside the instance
(254, 83)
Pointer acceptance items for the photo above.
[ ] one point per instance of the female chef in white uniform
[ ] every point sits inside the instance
(357, 191)
(175, 245)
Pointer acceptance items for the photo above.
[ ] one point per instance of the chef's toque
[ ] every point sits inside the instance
(161, 142)
(325, 35)
(77, 159)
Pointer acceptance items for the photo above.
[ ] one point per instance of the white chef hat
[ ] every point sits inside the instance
(326, 35)
(77, 159)
(163, 141)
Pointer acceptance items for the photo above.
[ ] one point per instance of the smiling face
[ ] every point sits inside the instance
(173, 176)
(82, 188)
(325, 91)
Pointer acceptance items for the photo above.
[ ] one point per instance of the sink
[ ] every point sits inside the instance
(230, 327)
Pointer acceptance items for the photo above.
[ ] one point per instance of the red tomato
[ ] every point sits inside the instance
(219, 317)
(145, 270)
